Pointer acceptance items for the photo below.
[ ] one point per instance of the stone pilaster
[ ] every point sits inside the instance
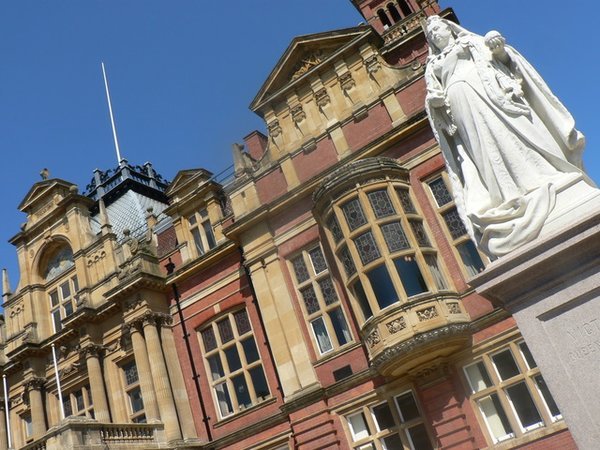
(34, 387)
(93, 354)
(177, 383)
(160, 377)
(3, 434)
(144, 373)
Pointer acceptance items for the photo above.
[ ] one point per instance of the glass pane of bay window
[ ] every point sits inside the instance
(339, 325)
(407, 407)
(354, 214)
(321, 334)
(523, 404)
(455, 225)
(418, 438)
(394, 236)
(495, 418)
(382, 286)
(550, 403)
(381, 203)
(358, 426)
(411, 276)
(434, 268)
(310, 300)
(367, 248)
(470, 257)
(300, 269)
(392, 442)
(478, 377)
(440, 192)
(505, 364)
(327, 290)
(361, 298)
(318, 260)
(383, 416)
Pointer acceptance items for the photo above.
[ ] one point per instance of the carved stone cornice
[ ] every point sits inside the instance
(92, 351)
(35, 383)
(156, 318)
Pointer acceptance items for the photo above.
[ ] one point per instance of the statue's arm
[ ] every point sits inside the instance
(496, 43)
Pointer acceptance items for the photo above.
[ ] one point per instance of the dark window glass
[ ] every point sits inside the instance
(384, 18)
(420, 234)
(225, 330)
(328, 291)
(259, 382)
(198, 241)
(334, 227)
(419, 438)
(67, 406)
(394, 236)
(411, 276)
(54, 298)
(440, 192)
(543, 387)
(233, 358)
(241, 390)
(382, 286)
(223, 399)
(455, 225)
(135, 397)
(470, 257)
(383, 416)
(406, 202)
(57, 322)
(367, 248)
(407, 406)
(505, 364)
(339, 325)
(242, 322)
(310, 300)
(318, 260)
(210, 237)
(392, 442)
(250, 350)
(523, 404)
(361, 298)
(131, 374)
(355, 216)
(68, 307)
(300, 269)
(209, 340)
(347, 262)
(404, 7)
(79, 400)
(381, 203)
(394, 13)
(216, 368)
(527, 355)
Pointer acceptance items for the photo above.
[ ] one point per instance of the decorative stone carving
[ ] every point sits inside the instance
(509, 144)
(274, 128)
(298, 114)
(307, 63)
(373, 338)
(454, 308)
(346, 81)
(92, 350)
(372, 64)
(396, 325)
(133, 302)
(427, 313)
(69, 369)
(322, 98)
(17, 400)
(35, 383)
(95, 257)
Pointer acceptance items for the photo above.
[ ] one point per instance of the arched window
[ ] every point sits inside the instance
(384, 19)
(59, 262)
(394, 13)
(404, 7)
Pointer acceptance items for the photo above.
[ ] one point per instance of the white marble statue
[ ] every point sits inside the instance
(507, 140)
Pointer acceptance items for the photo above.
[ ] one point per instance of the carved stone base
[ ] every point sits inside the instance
(552, 288)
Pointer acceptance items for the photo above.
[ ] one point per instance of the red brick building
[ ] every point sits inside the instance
(319, 294)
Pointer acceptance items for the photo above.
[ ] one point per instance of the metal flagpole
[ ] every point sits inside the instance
(60, 399)
(6, 411)
(112, 119)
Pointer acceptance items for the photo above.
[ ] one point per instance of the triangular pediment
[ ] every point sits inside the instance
(303, 55)
(186, 180)
(43, 191)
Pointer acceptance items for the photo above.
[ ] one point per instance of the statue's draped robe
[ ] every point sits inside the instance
(506, 139)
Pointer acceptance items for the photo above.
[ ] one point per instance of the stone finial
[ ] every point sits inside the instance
(45, 174)
(5, 284)
(104, 220)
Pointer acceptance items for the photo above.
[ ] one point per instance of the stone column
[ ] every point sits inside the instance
(34, 386)
(144, 373)
(3, 435)
(177, 383)
(93, 353)
(160, 376)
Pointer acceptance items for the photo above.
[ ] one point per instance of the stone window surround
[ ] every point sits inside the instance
(55, 289)
(130, 389)
(400, 426)
(219, 351)
(201, 233)
(440, 210)
(550, 423)
(313, 281)
(88, 404)
(373, 223)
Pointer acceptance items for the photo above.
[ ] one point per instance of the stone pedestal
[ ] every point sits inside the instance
(552, 288)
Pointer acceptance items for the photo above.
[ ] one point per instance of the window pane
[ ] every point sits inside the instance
(434, 268)
(419, 438)
(139, 419)
(54, 298)
(65, 290)
(241, 390)
(382, 286)
(478, 376)
(420, 234)
(67, 406)
(381, 204)
(524, 407)
(75, 284)
(300, 269)
(223, 400)
(407, 203)
(318, 260)
(233, 358)
(225, 330)
(361, 298)
(367, 248)
(259, 382)
(203, 213)
(455, 225)
(68, 308)
(505, 365)
(131, 374)
(392, 442)
(407, 406)
(56, 320)
(411, 276)
(323, 340)
(328, 291)
(339, 325)
(216, 368)
(470, 257)
(383, 416)
(209, 340)
(358, 426)
(135, 399)
(78, 395)
(198, 241)
(250, 350)
(192, 220)
(440, 191)
(550, 403)
(242, 322)
(210, 237)
(334, 227)
(310, 300)
(347, 262)
(394, 236)
(354, 214)
(527, 355)
(495, 418)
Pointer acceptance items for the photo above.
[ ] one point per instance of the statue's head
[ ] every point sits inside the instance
(439, 33)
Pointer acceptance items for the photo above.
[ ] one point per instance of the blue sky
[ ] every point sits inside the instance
(183, 73)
